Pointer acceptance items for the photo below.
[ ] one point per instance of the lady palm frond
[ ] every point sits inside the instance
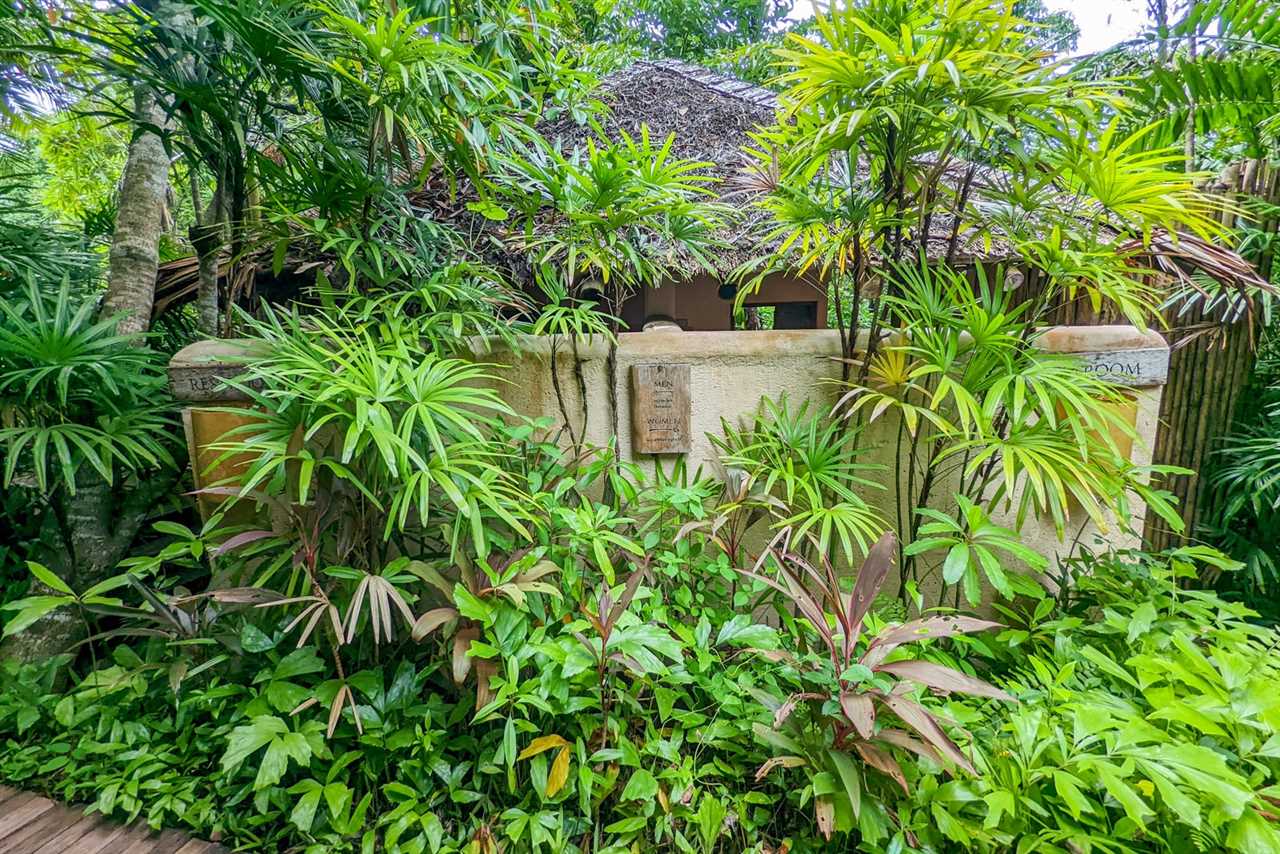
(1250, 469)
(74, 392)
(621, 210)
(348, 404)
(893, 385)
(1038, 469)
(50, 349)
(1104, 274)
(802, 469)
(562, 315)
(1140, 188)
(1054, 388)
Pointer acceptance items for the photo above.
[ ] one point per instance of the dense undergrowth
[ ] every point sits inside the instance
(420, 623)
(1143, 718)
(604, 659)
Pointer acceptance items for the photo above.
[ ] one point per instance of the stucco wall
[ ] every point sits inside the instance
(730, 373)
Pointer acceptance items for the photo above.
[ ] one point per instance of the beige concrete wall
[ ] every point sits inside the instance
(731, 372)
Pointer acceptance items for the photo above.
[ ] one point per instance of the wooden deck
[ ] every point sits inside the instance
(30, 824)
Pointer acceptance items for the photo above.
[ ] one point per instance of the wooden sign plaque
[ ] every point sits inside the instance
(660, 409)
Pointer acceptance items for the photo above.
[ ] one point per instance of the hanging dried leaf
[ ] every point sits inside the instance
(461, 661)
(559, 772)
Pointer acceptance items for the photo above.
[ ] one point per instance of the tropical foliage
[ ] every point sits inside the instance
(409, 619)
(605, 686)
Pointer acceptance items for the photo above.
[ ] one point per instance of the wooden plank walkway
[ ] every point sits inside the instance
(30, 824)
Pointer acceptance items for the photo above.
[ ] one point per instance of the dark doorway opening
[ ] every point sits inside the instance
(787, 315)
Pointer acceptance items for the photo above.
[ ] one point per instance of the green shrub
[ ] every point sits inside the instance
(646, 712)
(1148, 721)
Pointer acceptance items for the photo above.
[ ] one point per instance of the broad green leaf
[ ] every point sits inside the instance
(1140, 621)
(1068, 787)
(46, 577)
(850, 778)
(304, 811)
(246, 739)
(641, 787)
(275, 761)
(956, 563)
(30, 610)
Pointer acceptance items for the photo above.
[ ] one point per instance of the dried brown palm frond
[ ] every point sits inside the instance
(344, 695)
(381, 594)
(1181, 256)
(757, 175)
(317, 607)
(1206, 316)
(1213, 287)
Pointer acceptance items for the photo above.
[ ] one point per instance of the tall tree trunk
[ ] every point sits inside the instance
(140, 221)
(207, 309)
(208, 238)
(96, 528)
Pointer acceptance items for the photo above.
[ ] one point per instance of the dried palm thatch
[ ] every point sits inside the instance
(711, 116)
(178, 281)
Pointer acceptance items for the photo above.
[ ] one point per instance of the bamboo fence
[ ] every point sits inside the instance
(1213, 352)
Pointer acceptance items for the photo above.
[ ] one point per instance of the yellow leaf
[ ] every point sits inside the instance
(540, 744)
(559, 770)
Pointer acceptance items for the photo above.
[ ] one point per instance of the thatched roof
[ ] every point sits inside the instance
(709, 113)
(711, 116)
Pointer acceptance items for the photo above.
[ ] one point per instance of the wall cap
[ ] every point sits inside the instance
(197, 371)
(1124, 355)
(1092, 339)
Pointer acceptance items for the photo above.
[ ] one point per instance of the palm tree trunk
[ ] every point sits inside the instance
(140, 221)
(207, 309)
(208, 238)
(96, 528)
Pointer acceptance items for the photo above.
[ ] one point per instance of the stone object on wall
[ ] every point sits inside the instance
(213, 410)
(1121, 355)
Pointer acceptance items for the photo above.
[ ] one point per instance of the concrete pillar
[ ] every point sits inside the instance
(212, 409)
